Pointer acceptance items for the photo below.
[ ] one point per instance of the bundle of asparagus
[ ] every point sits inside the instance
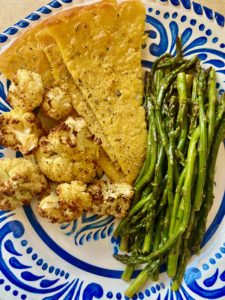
(174, 190)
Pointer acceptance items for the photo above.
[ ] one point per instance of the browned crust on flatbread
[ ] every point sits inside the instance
(7, 55)
(20, 40)
(14, 57)
(67, 14)
(54, 19)
(57, 18)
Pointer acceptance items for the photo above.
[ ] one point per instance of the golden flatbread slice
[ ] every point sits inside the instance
(64, 80)
(101, 46)
(24, 53)
(112, 170)
(58, 68)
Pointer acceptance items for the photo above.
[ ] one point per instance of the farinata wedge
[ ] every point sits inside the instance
(101, 47)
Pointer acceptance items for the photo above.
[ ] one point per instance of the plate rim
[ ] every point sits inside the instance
(13, 31)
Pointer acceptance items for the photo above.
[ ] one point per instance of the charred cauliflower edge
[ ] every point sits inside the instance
(26, 90)
(20, 130)
(20, 181)
(57, 104)
(68, 152)
(68, 201)
(67, 155)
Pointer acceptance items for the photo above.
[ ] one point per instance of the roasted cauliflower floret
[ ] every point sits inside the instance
(49, 208)
(68, 153)
(57, 104)
(74, 196)
(20, 180)
(26, 90)
(66, 203)
(110, 198)
(20, 130)
(69, 200)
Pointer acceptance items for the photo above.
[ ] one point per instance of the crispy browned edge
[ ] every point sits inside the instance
(59, 17)
(76, 10)
(51, 20)
(66, 14)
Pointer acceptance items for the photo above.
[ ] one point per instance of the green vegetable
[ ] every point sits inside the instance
(203, 145)
(174, 190)
(212, 95)
(202, 217)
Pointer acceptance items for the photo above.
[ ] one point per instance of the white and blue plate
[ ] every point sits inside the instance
(39, 260)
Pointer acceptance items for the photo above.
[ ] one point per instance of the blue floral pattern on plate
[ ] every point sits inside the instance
(39, 260)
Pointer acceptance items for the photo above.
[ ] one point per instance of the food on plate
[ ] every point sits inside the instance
(69, 200)
(20, 130)
(101, 49)
(174, 190)
(26, 90)
(25, 54)
(66, 203)
(62, 76)
(78, 109)
(110, 198)
(113, 73)
(59, 70)
(57, 104)
(68, 152)
(20, 181)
